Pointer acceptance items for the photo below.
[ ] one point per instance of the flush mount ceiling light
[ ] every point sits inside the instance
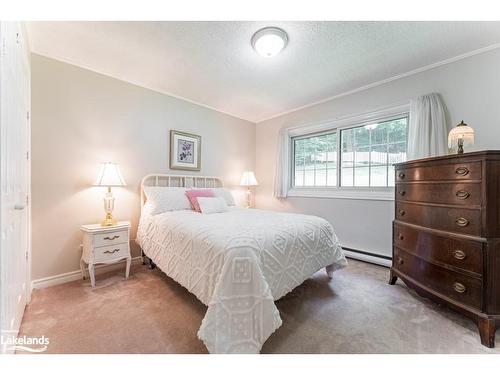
(269, 41)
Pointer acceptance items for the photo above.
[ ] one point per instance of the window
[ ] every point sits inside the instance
(315, 160)
(368, 152)
(358, 155)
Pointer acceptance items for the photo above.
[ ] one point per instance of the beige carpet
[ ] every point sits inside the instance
(356, 312)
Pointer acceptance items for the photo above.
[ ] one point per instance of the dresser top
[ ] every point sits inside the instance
(465, 156)
(100, 228)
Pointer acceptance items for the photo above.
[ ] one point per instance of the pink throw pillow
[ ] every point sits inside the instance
(194, 194)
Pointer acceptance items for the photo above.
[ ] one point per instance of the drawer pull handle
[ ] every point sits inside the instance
(401, 175)
(402, 212)
(401, 237)
(462, 222)
(462, 194)
(400, 260)
(459, 287)
(459, 254)
(111, 238)
(111, 251)
(402, 192)
(462, 171)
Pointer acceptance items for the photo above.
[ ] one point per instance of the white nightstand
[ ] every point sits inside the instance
(105, 245)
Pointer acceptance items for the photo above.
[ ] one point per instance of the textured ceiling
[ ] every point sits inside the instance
(213, 63)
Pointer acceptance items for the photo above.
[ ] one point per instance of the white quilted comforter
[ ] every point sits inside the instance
(238, 263)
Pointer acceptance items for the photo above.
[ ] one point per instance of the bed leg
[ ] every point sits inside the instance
(143, 258)
(152, 266)
(329, 271)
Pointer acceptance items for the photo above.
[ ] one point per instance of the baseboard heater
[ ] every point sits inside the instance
(366, 256)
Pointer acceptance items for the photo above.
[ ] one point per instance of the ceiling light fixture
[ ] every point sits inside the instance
(269, 41)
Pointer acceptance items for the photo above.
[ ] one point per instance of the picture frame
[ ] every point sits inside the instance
(185, 151)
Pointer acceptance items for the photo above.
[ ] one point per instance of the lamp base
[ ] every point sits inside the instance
(249, 197)
(109, 221)
(460, 146)
(109, 205)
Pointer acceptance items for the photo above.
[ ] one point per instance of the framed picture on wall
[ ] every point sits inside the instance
(185, 151)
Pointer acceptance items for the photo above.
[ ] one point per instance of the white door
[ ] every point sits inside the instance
(14, 177)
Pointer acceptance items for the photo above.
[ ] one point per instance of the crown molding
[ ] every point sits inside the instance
(387, 80)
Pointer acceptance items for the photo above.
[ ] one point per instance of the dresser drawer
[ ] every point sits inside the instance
(457, 171)
(462, 254)
(465, 194)
(111, 238)
(105, 253)
(461, 288)
(458, 220)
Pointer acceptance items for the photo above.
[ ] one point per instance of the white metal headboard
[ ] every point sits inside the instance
(174, 180)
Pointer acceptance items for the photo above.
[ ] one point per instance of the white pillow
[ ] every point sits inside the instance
(221, 193)
(212, 205)
(147, 209)
(226, 194)
(162, 199)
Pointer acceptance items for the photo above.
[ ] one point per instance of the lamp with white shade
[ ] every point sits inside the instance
(460, 136)
(248, 179)
(109, 176)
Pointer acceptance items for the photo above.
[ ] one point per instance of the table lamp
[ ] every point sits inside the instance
(460, 136)
(248, 179)
(109, 175)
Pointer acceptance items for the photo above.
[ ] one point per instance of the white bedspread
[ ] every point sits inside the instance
(238, 263)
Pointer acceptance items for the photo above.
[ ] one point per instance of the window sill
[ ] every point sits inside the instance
(374, 194)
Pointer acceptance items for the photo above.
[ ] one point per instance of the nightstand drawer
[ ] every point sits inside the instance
(110, 238)
(105, 253)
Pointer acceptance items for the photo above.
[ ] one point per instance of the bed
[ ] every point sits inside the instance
(237, 262)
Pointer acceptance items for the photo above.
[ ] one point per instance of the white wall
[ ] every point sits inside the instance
(471, 91)
(81, 118)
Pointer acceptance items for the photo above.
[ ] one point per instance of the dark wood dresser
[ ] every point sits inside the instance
(446, 234)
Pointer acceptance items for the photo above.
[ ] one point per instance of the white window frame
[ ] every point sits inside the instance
(342, 192)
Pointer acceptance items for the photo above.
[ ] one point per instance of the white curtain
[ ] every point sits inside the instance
(427, 132)
(281, 178)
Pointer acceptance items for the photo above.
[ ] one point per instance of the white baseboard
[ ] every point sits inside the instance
(77, 275)
(367, 258)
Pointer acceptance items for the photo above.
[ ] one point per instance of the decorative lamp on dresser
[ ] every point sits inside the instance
(105, 245)
(446, 234)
